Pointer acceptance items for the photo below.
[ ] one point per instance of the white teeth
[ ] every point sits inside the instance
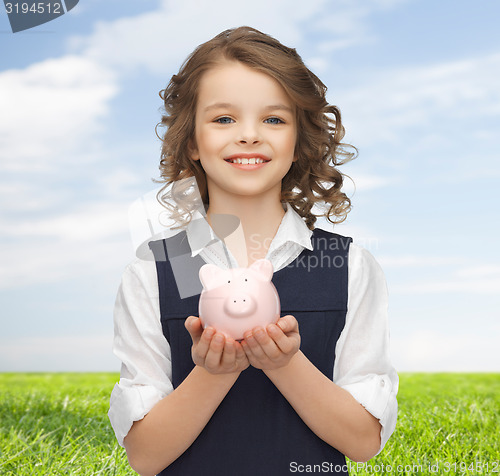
(252, 161)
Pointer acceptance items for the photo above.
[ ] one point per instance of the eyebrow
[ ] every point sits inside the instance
(226, 105)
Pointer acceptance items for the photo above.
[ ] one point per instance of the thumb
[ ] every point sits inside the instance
(194, 327)
(282, 324)
(286, 323)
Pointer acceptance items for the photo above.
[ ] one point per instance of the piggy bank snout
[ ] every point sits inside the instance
(240, 305)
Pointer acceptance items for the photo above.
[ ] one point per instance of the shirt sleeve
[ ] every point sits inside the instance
(139, 343)
(362, 362)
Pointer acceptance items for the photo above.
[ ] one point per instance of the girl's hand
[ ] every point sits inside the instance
(213, 351)
(272, 349)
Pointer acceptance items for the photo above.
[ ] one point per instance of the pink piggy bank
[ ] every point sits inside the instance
(236, 300)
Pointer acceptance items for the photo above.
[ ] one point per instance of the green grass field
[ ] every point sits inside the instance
(56, 424)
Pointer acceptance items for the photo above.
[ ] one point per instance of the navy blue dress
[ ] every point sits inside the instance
(255, 431)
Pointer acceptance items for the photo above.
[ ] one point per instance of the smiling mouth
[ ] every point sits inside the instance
(247, 161)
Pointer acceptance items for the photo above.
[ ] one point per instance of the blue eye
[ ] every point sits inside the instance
(224, 120)
(274, 120)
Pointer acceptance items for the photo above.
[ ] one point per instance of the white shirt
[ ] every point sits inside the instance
(362, 363)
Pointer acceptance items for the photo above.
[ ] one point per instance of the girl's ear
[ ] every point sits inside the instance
(193, 150)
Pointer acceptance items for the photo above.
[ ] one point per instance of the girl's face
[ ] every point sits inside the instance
(245, 131)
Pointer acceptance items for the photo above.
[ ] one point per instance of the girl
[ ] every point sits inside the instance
(249, 121)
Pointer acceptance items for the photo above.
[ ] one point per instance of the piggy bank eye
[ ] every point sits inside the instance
(228, 280)
(246, 279)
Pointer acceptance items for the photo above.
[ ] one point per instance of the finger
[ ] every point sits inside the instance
(246, 349)
(214, 354)
(204, 342)
(192, 323)
(228, 354)
(287, 323)
(284, 343)
(267, 344)
(241, 356)
(188, 322)
(254, 346)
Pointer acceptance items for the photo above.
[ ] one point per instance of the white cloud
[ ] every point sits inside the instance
(95, 222)
(479, 279)
(361, 182)
(160, 40)
(18, 196)
(346, 21)
(402, 99)
(421, 261)
(50, 261)
(49, 109)
(469, 286)
(92, 241)
(481, 272)
(429, 351)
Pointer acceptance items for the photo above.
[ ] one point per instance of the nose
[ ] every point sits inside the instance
(248, 134)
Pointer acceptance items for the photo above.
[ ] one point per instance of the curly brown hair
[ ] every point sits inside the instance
(313, 177)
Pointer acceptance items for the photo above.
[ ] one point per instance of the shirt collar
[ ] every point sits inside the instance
(292, 228)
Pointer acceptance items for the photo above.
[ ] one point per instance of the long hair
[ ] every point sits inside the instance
(312, 179)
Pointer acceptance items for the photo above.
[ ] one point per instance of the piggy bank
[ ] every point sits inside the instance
(236, 300)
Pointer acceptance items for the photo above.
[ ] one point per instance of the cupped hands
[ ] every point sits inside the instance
(274, 346)
(214, 351)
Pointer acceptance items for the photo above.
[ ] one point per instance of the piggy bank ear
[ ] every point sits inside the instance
(263, 268)
(210, 276)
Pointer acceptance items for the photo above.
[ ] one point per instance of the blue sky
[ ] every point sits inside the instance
(417, 84)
